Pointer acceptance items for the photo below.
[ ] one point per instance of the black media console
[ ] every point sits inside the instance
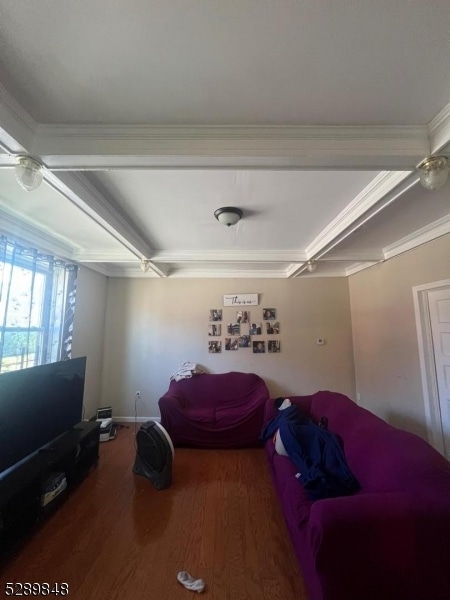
(21, 489)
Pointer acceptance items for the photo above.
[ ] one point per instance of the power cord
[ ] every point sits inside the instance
(137, 396)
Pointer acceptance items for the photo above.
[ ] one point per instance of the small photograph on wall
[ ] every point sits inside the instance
(259, 347)
(214, 347)
(215, 329)
(244, 341)
(274, 346)
(255, 329)
(231, 343)
(243, 316)
(272, 328)
(269, 314)
(215, 314)
(234, 328)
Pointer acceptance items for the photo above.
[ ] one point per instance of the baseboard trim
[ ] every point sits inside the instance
(135, 419)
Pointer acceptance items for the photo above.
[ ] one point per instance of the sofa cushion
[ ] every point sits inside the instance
(296, 504)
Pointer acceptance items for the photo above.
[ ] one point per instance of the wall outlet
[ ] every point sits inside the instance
(320, 341)
(137, 395)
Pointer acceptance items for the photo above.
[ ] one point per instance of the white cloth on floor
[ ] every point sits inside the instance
(190, 583)
(187, 370)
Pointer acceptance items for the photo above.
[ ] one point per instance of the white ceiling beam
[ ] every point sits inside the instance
(439, 130)
(353, 255)
(235, 256)
(86, 197)
(26, 234)
(17, 127)
(214, 273)
(78, 190)
(365, 201)
(128, 271)
(98, 147)
(379, 194)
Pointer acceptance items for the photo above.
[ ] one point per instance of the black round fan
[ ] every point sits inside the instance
(154, 454)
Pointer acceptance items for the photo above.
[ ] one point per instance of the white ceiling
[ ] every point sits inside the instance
(309, 116)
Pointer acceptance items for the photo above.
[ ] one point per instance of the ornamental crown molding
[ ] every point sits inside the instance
(423, 235)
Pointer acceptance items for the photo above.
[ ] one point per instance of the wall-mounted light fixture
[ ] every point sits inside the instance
(145, 265)
(28, 172)
(433, 172)
(311, 266)
(228, 215)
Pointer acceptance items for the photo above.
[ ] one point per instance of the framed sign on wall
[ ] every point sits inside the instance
(240, 300)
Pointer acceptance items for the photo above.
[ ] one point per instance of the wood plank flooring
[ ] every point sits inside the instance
(117, 537)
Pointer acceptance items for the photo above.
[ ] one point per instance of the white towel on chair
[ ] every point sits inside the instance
(187, 370)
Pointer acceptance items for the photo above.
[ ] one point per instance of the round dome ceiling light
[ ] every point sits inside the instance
(228, 215)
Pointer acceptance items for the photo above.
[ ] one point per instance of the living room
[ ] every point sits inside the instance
(135, 141)
(355, 317)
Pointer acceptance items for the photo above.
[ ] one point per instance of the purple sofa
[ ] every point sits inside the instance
(225, 410)
(391, 540)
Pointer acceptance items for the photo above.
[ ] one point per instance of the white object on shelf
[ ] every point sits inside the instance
(53, 487)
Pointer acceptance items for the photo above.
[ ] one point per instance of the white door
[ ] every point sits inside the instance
(439, 304)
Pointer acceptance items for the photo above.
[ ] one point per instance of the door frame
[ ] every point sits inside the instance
(427, 364)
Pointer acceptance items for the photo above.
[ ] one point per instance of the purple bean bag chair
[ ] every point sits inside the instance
(225, 410)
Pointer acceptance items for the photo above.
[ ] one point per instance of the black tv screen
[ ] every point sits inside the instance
(37, 405)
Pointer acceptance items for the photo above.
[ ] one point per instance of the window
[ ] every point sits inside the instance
(37, 301)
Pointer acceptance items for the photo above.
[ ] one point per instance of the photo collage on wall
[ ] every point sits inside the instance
(244, 330)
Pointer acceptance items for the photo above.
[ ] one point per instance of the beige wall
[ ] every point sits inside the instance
(387, 369)
(89, 330)
(154, 325)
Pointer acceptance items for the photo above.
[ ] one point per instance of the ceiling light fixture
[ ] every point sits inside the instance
(311, 266)
(433, 172)
(145, 265)
(28, 172)
(228, 215)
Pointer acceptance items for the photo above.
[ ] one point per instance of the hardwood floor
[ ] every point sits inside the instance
(117, 537)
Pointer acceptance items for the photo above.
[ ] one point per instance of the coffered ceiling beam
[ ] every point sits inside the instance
(26, 233)
(97, 147)
(17, 128)
(78, 190)
(379, 194)
(230, 256)
(439, 132)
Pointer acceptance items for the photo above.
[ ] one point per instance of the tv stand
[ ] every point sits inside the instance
(72, 453)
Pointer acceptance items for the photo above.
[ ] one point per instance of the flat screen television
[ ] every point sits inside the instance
(37, 405)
